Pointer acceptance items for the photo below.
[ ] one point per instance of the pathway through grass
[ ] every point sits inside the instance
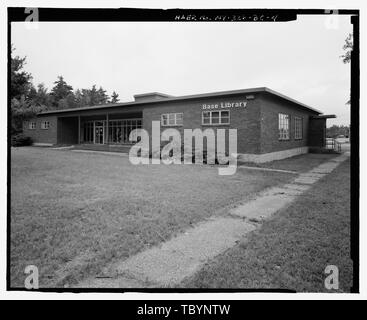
(291, 250)
(178, 258)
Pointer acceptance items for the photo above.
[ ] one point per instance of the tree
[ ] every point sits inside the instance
(86, 97)
(79, 99)
(21, 110)
(20, 80)
(114, 97)
(68, 102)
(20, 90)
(40, 96)
(334, 131)
(102, 96)
(93, 96)
(348, 47)
(61, 91)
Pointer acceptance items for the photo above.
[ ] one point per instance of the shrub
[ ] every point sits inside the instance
(20, 139)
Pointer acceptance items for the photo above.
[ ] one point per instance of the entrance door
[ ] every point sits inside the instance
(98, 135)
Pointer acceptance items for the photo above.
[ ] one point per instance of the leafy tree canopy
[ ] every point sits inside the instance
(348, 47)
(20, 80)
(61, 90)
(114, 97)
(335, 131)
(27, 100)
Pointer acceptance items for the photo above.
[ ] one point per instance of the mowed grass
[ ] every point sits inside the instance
(292, 250)
(74, 213)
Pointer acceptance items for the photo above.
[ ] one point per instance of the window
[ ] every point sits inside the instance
(120, 129)
(283, 126)
(45, 124)
(298, 128)
(32, 125)
(215, 117)
(172, 119)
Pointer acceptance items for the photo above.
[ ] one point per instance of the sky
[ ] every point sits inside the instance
(300, 59)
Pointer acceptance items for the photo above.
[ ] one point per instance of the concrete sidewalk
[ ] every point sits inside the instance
(168, 264)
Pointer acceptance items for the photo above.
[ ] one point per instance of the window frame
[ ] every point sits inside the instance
(32, 125)
(220, 123)
(44, 126)
(167, 115)
(298, 132)
(281, 123)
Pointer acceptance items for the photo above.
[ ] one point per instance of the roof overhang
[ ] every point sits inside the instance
(324, 116)
(183, 98)
(291, 100)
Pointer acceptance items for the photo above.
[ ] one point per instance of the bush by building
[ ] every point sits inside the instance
(19, 140)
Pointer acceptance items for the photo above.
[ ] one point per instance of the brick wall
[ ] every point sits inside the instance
(256, 124)
(271, 106)
(39, 135)
(244, 119)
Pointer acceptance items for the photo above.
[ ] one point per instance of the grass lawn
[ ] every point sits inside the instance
(292, 250)
(301, 163)
(73, 213)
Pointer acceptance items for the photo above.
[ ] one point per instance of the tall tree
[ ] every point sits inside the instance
(61, 91)
(114, 97)
(86, 98)
(347, 56)
(102, 96)
(93, 96)
(20, 90)
(79, 99)
(40, 96)
(68, 102)
(20, 80)
(348, 47)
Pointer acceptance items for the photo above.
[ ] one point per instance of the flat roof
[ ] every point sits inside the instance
(180, 98)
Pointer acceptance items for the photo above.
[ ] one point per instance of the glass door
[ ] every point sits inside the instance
(98, 134)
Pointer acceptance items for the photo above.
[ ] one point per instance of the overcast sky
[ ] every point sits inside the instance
(300, 59)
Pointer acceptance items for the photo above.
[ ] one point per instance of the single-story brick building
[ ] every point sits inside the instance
(269, 125)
